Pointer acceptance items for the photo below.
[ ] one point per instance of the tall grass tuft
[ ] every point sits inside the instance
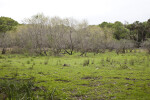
(28, 62)
(24, 90)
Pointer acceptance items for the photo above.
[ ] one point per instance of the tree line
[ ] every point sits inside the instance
(45, 36)
(137, 31)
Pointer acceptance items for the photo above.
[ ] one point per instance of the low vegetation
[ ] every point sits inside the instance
(104, 76)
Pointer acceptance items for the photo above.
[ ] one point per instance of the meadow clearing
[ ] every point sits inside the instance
(104, 76)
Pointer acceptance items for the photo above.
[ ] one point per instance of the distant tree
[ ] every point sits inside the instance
(106, 24)
(118, 29)
(35, 31)
(139, 31)
(70, 26)
(120, 32)
(148, 29)
(122, 45)
(6, 24)
(146, 45)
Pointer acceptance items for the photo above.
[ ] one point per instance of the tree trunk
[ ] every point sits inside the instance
(68, 52)
(123, 50)
(4, 51)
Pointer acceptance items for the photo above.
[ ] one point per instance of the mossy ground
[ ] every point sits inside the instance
(95, 77)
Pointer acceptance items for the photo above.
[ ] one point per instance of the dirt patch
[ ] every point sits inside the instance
(95, 84)
(129, 89)
(3, 78)
(136, 79)
(87, 77)
(147, 79)
(62, 80)
(43, 73)
(127, 84)
(116, 77)
(36, 88)
(41, 81)
(40, 73)
(130, 79)
(66, 65)
(1, 68)
(84, 84)
(90, 77)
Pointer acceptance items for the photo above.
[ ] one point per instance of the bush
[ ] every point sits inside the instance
(86, 62)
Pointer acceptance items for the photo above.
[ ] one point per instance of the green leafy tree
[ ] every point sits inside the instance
(148, 29)
(6, 24)
(139, 31)
(106, 24)
(120, 32)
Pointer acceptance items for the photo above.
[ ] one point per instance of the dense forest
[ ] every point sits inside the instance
(45, 36)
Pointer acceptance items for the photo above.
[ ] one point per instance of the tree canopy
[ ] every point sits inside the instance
(7, 24)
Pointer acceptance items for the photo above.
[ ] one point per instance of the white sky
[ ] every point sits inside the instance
(95, 11)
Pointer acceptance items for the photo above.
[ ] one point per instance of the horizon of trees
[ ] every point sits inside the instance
(42, 35)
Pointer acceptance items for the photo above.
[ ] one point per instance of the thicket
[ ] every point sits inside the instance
(46, 36)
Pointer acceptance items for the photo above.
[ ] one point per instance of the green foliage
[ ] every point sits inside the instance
(7, 24)
(137, 31)
(119, 30)
(106, 24)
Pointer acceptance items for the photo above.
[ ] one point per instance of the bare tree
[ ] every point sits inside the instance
(146, 45)
(123, 45)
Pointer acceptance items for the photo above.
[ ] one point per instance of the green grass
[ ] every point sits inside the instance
(103, 76)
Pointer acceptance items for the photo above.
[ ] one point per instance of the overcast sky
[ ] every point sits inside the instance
(95, 11)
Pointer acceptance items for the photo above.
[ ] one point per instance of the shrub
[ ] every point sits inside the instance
(86, 62)
(28, 62)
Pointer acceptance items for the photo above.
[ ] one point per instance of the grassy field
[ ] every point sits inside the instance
(104, 76)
